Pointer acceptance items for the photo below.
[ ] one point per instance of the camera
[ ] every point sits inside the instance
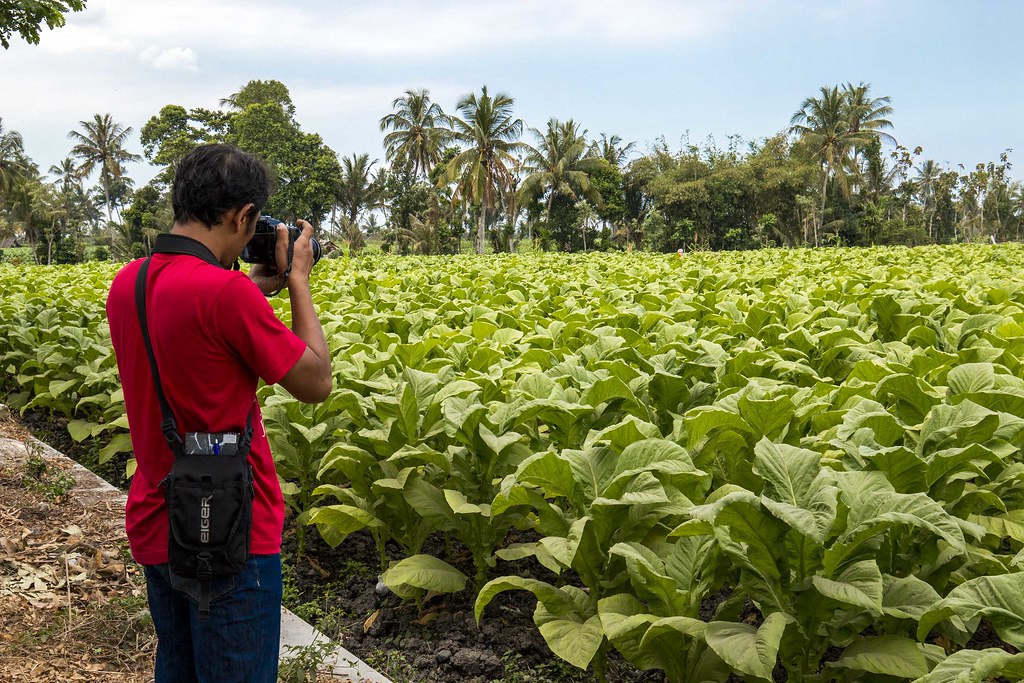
(262, 247)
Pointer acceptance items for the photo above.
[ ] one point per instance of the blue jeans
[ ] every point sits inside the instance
(237, 643)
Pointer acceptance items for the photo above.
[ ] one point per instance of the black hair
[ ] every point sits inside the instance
(213, 179)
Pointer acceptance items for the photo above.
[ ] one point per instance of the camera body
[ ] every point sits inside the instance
(263, 245)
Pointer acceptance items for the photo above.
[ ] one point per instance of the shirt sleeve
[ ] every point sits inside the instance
(246, 323)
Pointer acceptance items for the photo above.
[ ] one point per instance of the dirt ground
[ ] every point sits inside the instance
(72, 604)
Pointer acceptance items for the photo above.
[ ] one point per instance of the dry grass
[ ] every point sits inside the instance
(72, 603)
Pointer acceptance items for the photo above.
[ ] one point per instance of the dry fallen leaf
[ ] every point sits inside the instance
(427, 618)
(368, 624)
(324, 574)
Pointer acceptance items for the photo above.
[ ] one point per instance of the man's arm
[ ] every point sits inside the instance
(310, 380)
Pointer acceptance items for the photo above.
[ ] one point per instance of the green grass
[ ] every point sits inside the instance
(39, 477)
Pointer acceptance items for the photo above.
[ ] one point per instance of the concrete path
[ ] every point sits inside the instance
(93, 492)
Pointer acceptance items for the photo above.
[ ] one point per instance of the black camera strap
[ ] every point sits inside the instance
(168, 243)
(168, 425)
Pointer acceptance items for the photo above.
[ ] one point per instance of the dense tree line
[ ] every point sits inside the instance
(835, 175)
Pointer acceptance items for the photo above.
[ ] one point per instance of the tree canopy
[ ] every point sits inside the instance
(27, 18)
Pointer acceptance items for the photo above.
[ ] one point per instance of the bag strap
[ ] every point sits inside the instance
(168, 425)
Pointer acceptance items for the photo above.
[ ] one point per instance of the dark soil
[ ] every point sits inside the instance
(986, 637)
(440, 642)
(709, 605)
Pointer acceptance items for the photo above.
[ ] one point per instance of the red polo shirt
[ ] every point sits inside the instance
(214, 336)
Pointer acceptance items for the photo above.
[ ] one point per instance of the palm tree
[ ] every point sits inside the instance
(558, 166)
(357, 190)
(101, 145)
(421, 235)
(417, 134)
(67, 175)
(866, 113)
(924, 184)
(823, 127)
(611, 149)
(260, 92)
(69, 190)
(351, 234)
(12, 158)
(1017, 206)
(490, 136)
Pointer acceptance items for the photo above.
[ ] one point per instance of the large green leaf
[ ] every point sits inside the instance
(868, 414)
(650, 579)
(886, 656)
(120, 443)
(669, 461)
(552, 473)
(749, 650)
(352, 461)
(859, 584)
(576, 641)
(701, 421)
(653, 455)
(1000, 599)
(622, 434)
(913, 397)
(425, 572)
(797, 490)
(875, 507)
(569, 630)
(592, 468)
(904, 469)
(557, 600)
(753, 540)
(336, 522)
(767, 416)
(907, 597)
(639, 489)
(428, 500)
(80, 429)
(625, 620)
(977, 666)
(963, 424)
(971, 377)
(608, 389)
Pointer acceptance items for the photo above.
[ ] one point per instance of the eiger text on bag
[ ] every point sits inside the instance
(209, 505)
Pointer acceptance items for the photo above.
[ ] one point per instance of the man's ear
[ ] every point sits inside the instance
(243, 217)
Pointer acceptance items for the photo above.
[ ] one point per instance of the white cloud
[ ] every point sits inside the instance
(169, 59)
(86, 38)
(390, 28)
(463, 26)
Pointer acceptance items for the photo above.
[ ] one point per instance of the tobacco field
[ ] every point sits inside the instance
(798, 465)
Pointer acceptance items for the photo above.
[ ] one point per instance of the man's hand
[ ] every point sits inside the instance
(302, 255)
(271, 278)
(310, 380)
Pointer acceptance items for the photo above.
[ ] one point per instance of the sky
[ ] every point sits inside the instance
(639, 69)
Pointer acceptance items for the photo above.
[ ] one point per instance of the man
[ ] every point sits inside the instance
(214, 336)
